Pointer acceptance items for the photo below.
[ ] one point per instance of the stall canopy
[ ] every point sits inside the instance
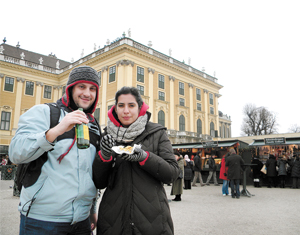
(276, 141)
(208, 144)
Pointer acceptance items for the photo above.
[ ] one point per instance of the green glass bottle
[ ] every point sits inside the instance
(82, 135)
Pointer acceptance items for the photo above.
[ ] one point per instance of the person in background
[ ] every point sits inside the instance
(271, 171)
(282, 173)
(197, 169)
(235, 164)
(295, 171)
(60, 201)
(223, 175)
(134, 201)
(177, 185)
(212, 170)
(256, 173)
(188, 172)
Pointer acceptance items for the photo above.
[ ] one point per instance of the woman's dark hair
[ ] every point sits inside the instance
(129, 90)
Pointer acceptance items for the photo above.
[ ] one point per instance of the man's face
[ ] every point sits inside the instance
(84, 95)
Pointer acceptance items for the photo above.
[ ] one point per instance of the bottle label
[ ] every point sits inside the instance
(86, 132)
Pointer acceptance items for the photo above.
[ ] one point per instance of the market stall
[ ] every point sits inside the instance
(208, 148)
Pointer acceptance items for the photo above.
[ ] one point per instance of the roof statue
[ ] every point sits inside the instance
(22, 56)
(129, 33)
(41, 60)
(82, 53)
(57, 64)
(170, 52)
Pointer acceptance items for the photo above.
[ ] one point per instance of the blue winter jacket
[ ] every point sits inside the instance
(64, 191)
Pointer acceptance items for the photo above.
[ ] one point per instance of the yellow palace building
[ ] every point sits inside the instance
(180, 97)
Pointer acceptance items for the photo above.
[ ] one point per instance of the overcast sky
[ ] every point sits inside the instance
(252, 47)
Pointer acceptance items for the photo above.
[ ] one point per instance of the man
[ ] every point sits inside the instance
(59, 202)
(235, 164)
(197, 169)
(212, 170)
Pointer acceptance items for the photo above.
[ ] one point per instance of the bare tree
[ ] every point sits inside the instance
(294, 128)
(258, 121)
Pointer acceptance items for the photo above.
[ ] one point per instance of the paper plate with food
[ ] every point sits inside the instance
(125, 149)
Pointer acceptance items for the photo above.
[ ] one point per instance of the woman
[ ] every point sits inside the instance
(177, 185)
(134, 201)
(282, 173)
(295, 172)
(271, 171)
(257, 165)
(188, 172)
(223, 175)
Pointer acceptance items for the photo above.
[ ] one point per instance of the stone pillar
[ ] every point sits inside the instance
(1, 78)
(125, 71)
(56, 93)
(38, 93)
(192, 121)
(206, 112)
(103, 109)
(151, 93)
(172, 103)
(17, 113)
(217, 112)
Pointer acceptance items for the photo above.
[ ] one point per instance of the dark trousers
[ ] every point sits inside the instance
(187, 184)
(30, 226)
(235, 188)
(296, 182)
(271, 181)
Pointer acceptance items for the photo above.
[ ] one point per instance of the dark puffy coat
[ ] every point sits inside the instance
(281, 166)
(235, 164)
(256, 168)
(271, 166)
(188, 170)
(295, 164)
(135, 201)
(212, 164)
(197, 163)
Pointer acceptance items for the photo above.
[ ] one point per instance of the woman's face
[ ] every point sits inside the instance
(127, 109)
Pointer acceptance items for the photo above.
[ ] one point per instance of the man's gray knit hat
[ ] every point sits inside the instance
(83, 74)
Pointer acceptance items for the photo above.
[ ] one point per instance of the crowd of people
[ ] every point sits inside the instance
(277, 171)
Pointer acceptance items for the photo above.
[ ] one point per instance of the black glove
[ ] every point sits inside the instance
(225, 174)
(138, 155)
(107, 142)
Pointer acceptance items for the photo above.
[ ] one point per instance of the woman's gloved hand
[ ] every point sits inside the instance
(138, 155)
(106, 143)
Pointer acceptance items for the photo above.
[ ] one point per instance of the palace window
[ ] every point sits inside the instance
(64, 90)
(97, 114)
(112, 74)
(211, 99)
(161, 118)
(47, 92)
(198, 94)
(99, 75)
(181, 101)
(5, 121)
(199, 126)
(141, 89)
(140, 74)
(161, 95)
(29, 88)
(181, 88)
(212, 111)
(181, 123)
(198, 107)
(161, 81)
(9, 84)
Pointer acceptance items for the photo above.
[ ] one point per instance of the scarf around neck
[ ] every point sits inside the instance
(127, 134)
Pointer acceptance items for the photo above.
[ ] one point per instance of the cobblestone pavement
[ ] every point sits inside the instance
(203, 210)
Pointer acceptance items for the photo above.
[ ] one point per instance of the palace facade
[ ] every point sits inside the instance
(180, 97)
